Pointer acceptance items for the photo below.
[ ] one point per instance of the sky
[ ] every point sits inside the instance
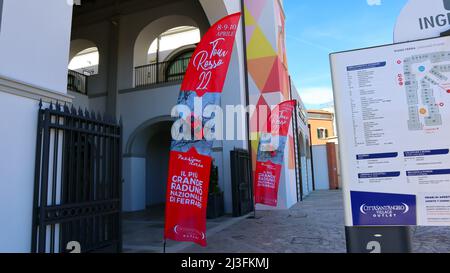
(316, 28)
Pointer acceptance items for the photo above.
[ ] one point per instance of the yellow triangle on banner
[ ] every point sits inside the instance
(259, 46)
(249, 19)
(255, 141)
(254, 137)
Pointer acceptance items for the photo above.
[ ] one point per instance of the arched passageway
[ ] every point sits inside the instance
(157, 165)
(146, 165)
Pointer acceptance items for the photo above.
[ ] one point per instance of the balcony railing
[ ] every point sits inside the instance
(77, 82)
(163, 72)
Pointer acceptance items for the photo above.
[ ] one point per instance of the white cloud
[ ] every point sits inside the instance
(316, 95)
(374, 2)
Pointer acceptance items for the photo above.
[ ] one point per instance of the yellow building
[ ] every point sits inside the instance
(322, 126)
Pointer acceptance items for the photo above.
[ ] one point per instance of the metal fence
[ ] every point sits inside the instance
(78, 182)
(162, 72)
(77, 82)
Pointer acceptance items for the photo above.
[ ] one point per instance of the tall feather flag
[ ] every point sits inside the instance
(190, 157)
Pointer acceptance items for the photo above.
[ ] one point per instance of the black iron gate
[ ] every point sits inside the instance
(78, 182)
(241, 178)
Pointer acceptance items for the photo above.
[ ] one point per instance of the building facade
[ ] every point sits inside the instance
(125, 61)
(322, 126)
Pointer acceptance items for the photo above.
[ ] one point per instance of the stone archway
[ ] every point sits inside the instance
(146, 164)
(157, 164)
(78, 45)
(149, 33)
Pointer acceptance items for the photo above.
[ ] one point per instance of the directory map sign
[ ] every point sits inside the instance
(393, 113)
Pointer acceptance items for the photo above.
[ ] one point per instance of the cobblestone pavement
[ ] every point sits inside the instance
(143, 231)
(313, 226)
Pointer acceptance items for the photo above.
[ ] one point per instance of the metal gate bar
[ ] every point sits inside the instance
(78, 176)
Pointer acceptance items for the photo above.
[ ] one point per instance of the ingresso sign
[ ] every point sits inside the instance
(421, 19)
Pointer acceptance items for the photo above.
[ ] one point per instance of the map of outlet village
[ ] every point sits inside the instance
(426, 79)
(393, 110)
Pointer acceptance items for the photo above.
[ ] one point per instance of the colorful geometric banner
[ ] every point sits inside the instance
(190, 158)
(268, 75)
(271, 154)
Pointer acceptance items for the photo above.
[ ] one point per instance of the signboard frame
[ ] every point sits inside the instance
(364, 235)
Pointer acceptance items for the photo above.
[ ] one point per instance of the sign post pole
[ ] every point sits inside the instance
(378, 239)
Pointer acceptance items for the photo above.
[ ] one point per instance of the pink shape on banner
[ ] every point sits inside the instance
(255, 7)
(273, 83)
(258, 121)
(249, 30)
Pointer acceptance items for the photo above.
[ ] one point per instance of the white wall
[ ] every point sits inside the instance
(140, 106)
(288, 183)
(34, 49)
(98, 104)
(34, 42)
(79, 100)
(134, 185)
(136, 108)
(18, 125)
(310, 175)
(305, 176)
(320, 157)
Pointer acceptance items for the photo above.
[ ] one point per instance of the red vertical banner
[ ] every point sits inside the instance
(190, 157)
(187, 195)
(271, 154)
(209, 64)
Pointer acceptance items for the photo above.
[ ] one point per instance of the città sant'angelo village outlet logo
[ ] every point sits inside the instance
(389, 211)
(383, 209)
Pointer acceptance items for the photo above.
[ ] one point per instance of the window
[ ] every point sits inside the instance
(172, 40)
(178, 66)
(83, 65)
(86, 62)
(322, 133)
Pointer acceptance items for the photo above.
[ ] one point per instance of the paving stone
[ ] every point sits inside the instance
(313, 226)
